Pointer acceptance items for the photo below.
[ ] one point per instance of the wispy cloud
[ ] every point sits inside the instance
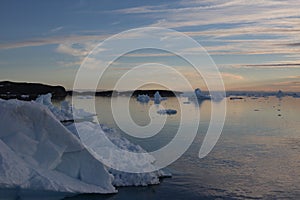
(56, 29)
(53, 40)
(266, 65)
(232, 76)
(257, 25)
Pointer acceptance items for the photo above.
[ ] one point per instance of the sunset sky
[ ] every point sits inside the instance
(255, 44)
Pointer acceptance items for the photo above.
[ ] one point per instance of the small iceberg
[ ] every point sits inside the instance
(280, 94)
(201, 96)
(167, 112)
(143, 98)
(157, 98)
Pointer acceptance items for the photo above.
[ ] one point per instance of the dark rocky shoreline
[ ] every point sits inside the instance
(109, 93)
(29, 91)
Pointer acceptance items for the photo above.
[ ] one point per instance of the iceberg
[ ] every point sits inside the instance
(280, 94)
(65, 112)
(92, 136)
(40, 153)
(143, 98)
(200, 95)
(157, 98)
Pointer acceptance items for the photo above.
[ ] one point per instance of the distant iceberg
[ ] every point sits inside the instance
(38, 152)
(200, 95)
(143, 98)
(280, 94)
(157, 98)
(296, 95)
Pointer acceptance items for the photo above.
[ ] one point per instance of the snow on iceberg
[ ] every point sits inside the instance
(92, 135)
(39, 153)
(65, 112)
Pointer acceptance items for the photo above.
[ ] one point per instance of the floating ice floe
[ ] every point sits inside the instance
(167, 112)
(38, 152)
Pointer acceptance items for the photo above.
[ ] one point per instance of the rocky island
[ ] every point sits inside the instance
(29, 91)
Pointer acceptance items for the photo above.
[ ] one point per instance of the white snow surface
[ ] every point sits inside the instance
(65, 112)
(92, 135)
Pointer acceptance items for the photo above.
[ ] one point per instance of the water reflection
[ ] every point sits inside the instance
(257, 156)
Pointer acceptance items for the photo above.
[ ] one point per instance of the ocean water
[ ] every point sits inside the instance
(256, 157)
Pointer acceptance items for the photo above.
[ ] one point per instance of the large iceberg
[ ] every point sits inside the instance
(38, 152)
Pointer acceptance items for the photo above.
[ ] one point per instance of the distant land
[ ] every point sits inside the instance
(109, 93)
(29, 91)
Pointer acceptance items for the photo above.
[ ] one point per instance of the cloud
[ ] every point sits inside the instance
(192, 13)
(232, 76)
(75, 49)
(296, 44)
(53, 40)
(56, 29)
(267, 65)
(257, 25)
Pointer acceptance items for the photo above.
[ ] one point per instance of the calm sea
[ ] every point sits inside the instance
(256, 157)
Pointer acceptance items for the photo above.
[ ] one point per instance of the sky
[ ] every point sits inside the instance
(254, 44)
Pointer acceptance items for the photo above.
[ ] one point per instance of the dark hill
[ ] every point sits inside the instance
(109, 93)
(29, 91)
